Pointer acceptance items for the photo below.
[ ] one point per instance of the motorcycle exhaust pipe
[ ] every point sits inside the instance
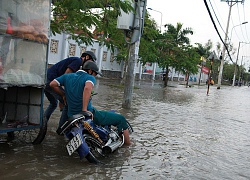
(111, 147)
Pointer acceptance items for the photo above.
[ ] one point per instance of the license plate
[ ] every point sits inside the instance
(74, 143)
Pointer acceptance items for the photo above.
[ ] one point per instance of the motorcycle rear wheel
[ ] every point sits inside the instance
(94, 145)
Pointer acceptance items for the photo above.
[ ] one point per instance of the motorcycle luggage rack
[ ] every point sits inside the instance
(69, 122)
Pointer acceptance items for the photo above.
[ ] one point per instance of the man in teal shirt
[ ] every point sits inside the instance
(78, 87)
(68, 65)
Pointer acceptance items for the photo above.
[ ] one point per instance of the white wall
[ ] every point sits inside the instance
(60, 51)
(103, 54)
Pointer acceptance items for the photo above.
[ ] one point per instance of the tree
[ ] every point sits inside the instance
(86, 20)
(148, 51)
(228, 66)
(178, 35)
(205, 50)
(187, 60)
(80, 18)
(163, 48)
(228, 72)
(170, 43)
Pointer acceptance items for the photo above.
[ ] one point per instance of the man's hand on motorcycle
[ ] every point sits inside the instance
(87, 114)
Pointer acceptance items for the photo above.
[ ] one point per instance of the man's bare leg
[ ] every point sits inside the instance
(126, 137)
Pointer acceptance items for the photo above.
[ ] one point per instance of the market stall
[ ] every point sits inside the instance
(24, 28)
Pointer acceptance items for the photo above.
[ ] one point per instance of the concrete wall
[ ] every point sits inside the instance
(61, 47)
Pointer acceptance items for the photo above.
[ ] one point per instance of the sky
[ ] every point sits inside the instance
(194, 14)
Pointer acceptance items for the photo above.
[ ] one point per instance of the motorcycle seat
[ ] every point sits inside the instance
(76, 116)
(69, 122)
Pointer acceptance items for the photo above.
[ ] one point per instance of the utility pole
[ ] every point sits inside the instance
(224, 47)
(235, 66)
(240, 73)
(241, 76)
(226, 37)
(140, 9)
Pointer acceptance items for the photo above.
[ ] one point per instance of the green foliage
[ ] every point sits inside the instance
(187, 60)
(205, 50)
(169, 49)
(173, 47)
(228, 71)
(80, 17)
(148, 51)
(177, 34)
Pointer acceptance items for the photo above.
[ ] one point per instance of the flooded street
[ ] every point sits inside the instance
(179, 133)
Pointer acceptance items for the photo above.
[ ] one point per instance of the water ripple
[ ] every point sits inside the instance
(180, 133)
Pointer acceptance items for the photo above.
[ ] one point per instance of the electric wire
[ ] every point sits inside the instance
(244, 13)
(228, 38)
(244, 48)
(239, 21)
(233, 26)
(218, 20)
(217, 17)
(234, 32)
(211, 17)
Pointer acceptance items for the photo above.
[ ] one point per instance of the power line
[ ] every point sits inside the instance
(244, 13)
(240, 26)
(217, 30)
(216, 17)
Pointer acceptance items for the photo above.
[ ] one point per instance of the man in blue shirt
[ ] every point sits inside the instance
(68, 65)
(77, 95)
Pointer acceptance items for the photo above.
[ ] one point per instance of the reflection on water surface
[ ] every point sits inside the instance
(180, 133)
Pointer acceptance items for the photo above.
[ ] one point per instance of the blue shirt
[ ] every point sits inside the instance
(58, 69)
(74, 84)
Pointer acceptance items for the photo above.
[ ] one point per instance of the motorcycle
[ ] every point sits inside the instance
(90, 140)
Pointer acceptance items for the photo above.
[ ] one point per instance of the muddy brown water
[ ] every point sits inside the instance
(180, 133)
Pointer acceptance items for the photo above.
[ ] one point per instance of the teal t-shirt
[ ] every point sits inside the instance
(74, 84)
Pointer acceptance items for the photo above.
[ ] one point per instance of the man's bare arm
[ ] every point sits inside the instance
(86, 95)
(55, 86)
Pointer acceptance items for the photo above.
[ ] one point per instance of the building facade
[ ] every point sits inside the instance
(61, 47)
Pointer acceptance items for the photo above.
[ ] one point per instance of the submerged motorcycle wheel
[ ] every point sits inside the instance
(94, 145)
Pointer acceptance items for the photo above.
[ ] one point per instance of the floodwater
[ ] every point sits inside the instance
(179, 133)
